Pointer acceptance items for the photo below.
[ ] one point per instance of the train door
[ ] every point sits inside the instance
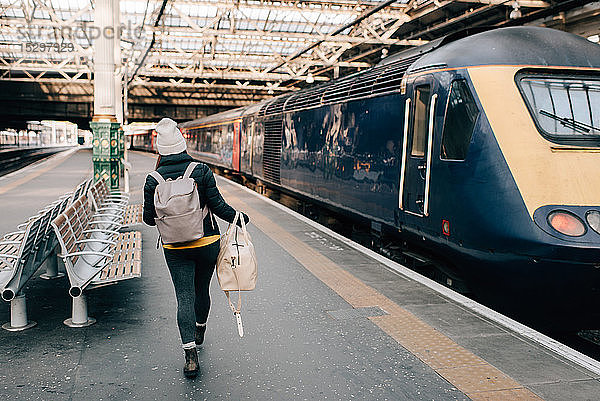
(236, 146)
(417, 145)
(246, 134)
(251, 144)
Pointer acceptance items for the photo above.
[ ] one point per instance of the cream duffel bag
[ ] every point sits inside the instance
(237, 269)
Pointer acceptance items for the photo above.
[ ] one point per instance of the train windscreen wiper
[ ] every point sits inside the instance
(571, 123)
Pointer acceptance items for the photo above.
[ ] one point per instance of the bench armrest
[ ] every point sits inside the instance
(98, 230)
(112, 223)
(113, 202)
(111, 206)
(88, 253)
(109, 215)
(109, 201)
(116, 198)
(117, 194)
(83, 253)
(102, 241)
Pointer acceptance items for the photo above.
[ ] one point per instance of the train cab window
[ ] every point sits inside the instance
(460, 120)
(421, 121)
(564, 108)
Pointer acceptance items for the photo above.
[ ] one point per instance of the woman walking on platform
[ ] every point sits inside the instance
(191, 264)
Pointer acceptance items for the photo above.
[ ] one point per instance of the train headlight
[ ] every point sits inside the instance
(566, 223)
(593, 219)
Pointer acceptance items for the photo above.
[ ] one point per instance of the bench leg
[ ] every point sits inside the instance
(18, 315)
(52, 267)
(80, 316)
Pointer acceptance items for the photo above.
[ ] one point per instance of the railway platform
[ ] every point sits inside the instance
(328, 320)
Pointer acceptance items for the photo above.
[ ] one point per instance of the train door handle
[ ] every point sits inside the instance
(420, 204)
(422, 170)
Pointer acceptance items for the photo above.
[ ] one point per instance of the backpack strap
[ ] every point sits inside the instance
(190, 169)
(205, 210)
(156, 175)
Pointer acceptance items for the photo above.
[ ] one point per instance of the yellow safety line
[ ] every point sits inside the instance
(34, 174)
(472, 375)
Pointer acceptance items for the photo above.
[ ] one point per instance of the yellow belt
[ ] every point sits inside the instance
(194, 244)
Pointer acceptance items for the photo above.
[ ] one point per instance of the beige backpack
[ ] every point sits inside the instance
(237, 269)
(177, 203)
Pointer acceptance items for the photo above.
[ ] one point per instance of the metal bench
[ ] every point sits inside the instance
(13, 263)
(115, 203)
(103, 198)
(50, 243)
(133, 215)
(95, 254)
(81, 189)
(69, 197)
(14, 272)
(20, 259)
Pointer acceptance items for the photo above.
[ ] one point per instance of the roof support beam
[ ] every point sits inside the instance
(522, 3)
(141, 62)
(338, 31)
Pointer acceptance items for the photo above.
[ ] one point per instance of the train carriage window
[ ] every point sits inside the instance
(564, 108)
(195, 134)
(421, 121)
(460, 120)
(207, 142)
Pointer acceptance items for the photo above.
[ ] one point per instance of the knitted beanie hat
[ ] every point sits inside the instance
(169, 141)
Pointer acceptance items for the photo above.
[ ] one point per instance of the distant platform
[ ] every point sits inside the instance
(326, 321)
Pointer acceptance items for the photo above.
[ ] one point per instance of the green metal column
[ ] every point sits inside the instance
(109, 145)
(108, 136)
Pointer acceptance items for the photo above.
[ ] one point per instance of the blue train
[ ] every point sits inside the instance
(480, 150)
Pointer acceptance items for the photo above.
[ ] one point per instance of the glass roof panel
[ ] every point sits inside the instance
(249, 36)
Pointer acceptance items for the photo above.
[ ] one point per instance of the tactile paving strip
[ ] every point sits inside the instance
(472, 375)
(355, 313)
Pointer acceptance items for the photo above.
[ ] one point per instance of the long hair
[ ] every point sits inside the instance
(157, 162)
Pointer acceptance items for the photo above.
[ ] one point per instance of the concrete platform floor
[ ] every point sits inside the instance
(325, 323)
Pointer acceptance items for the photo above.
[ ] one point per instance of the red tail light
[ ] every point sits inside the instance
(566, 223)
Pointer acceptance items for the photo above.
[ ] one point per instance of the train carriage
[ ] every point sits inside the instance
(482, 150)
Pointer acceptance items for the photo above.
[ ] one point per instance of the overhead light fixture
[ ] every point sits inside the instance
(310, 79)
(516, 11)
(384, 53)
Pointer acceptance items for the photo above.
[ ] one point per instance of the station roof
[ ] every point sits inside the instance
(230, 52)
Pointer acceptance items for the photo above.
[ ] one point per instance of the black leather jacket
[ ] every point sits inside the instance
(173, 166)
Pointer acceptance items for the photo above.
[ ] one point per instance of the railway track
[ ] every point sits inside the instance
(12, 159)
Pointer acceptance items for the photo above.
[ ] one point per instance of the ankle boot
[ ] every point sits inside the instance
(191, 367)
(200, 330)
